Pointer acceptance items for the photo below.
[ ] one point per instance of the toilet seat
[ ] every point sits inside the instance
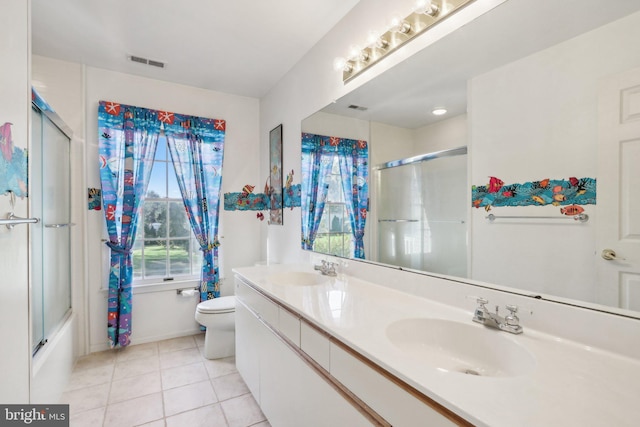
(218, 305)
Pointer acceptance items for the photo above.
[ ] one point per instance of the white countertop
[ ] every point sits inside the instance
(570, 384)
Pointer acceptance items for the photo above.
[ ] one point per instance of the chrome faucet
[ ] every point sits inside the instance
(510, 323)
(326, 268)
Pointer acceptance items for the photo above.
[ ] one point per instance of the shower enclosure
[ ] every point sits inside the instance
(421, 212)
(49, 195)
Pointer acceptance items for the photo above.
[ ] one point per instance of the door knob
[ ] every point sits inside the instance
(610, 255)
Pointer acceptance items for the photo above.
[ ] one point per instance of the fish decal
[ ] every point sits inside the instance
(247, 189)
(539, 200)
(260, 216)
(289, 180)
(574, 181)
(495, 184)
(572, 210)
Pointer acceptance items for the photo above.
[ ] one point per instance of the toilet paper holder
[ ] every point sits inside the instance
(187, 292)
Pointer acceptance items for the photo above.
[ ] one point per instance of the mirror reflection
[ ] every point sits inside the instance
(532, 103)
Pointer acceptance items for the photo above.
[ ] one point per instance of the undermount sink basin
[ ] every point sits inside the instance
(301, 278)
(457, 347)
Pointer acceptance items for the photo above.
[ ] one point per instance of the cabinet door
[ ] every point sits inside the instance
(292, 394)
(248, 348)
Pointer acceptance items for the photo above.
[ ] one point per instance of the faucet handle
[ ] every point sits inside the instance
(511, 319)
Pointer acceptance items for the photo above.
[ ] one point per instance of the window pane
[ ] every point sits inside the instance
(196, 257)
(140, 226)
(155, 219)
(335, 244)
(161, 151)
(178, 222)
(179, 257)
(158, 182)
(137, 259)
(155, 258)
(324, 221)
(321, 244)
(335, 189)
(173, 190)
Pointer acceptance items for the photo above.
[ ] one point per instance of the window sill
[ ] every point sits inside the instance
(161, 286)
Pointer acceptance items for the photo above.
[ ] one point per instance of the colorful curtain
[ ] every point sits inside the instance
(315, 168)
(353, 160)
(127, 138)
(318, 152)
(197, 146)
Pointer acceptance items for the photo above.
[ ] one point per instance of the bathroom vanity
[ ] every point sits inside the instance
(321, 350)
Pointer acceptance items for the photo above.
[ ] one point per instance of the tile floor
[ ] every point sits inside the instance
(161, 384)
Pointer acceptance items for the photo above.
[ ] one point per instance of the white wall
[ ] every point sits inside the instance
(556, 87)
(15, 107)
(441, 135)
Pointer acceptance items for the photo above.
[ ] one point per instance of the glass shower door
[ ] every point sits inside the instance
(50, 243)
(422, 208)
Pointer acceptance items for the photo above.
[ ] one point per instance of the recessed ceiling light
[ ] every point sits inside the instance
(439, 111)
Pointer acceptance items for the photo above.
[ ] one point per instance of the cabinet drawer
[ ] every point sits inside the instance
(397, 406)
(289, 326)
(260, 304)
(315, 344)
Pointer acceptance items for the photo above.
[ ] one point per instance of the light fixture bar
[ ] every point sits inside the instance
(412, 26)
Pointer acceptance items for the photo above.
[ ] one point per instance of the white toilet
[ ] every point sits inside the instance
(218, 316)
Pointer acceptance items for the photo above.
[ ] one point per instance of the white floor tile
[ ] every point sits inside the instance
(130, 388)
(176, 344)
(90, 377)
(186, 398)
(208, 416)
(180, 357)
(229, 386)
(135, 411)
(96, 360)
(220, 367)
(183, 375)
(86, 398)
(138, 351)
(242, 411)
(91, 418)
(132, 368)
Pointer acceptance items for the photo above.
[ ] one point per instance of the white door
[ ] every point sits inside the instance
(618, 197)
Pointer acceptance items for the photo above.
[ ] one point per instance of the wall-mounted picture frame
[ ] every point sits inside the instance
(275, 168)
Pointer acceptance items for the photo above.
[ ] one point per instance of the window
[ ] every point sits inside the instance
(334, 232)
(165, 247)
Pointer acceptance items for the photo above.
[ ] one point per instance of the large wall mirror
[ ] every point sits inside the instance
(535, 90)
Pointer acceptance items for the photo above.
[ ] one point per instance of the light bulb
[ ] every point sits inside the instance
(376, 40)
(354, 52)
(426, 7)
(399, 25)
(439, 111)
(341, 64)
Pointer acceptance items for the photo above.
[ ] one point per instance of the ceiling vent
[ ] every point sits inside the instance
(357, 107)
(146, 61)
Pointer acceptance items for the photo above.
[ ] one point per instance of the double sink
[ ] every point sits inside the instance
(445, 345)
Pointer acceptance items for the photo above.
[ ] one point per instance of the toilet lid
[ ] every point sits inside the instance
(218, 305)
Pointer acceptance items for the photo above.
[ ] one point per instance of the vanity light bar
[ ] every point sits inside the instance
(402, 31)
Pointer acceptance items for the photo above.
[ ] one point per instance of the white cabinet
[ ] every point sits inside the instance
(289, 392)
(247, 342)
